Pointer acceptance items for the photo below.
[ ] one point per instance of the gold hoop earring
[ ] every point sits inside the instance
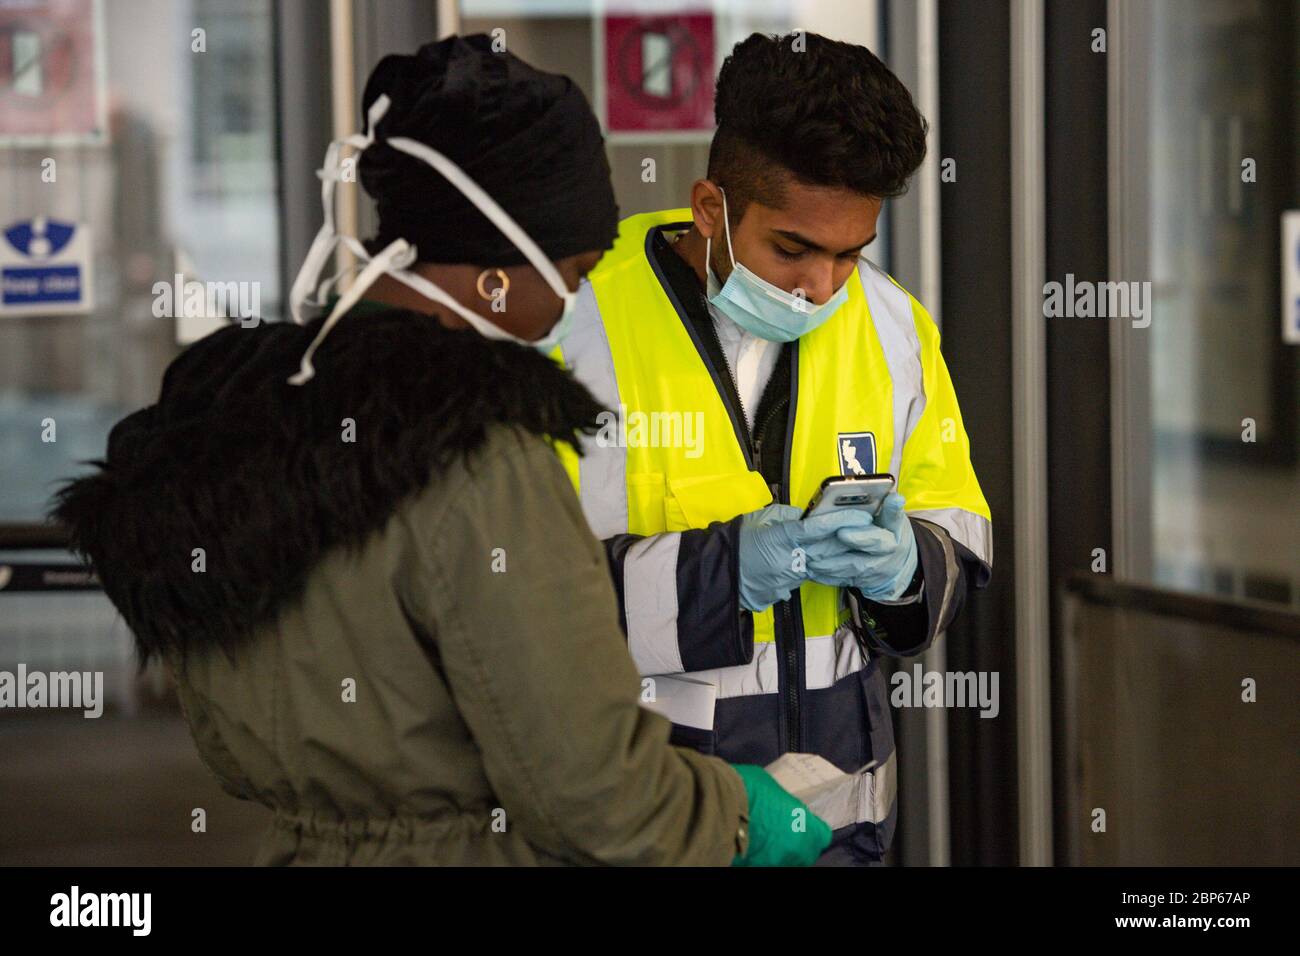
(505, 284)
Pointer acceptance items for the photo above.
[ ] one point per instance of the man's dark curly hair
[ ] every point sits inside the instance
(830, 114)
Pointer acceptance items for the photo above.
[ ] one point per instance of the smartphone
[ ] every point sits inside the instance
(865, 492)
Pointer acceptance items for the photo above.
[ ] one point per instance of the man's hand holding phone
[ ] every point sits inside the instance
(853, 533)
(879, 560)
(778, 547)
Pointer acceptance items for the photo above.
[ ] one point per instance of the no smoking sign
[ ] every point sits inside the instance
(50, 66)
(659, 73)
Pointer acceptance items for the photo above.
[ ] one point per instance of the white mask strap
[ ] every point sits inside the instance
(322, 247)
(398, 254)
(484, 327)
(361, 256)
(488, 206)
(726, 224)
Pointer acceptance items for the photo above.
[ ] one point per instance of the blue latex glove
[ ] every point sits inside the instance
(777, 550)
(882, 559)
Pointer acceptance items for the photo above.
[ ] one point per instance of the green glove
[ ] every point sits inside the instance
(778, 835)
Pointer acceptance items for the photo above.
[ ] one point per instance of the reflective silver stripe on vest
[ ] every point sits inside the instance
(686, 698)
(831, 658)
(827, 659)
(876, 791)
(891, 314)
(602, 471)
(974, 531)
(650, 601)
(759, 676)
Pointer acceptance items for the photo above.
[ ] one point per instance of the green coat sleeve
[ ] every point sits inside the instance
(517, 597)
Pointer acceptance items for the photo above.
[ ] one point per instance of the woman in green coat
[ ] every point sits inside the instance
(353, 544)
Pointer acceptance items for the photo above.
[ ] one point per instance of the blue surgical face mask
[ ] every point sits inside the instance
(560, 330)
(761, 308)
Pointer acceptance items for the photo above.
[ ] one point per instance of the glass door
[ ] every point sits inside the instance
(1208, 477)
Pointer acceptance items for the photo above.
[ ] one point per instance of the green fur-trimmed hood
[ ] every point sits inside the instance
(267, 477)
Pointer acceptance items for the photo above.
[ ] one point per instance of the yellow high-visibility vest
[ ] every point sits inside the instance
(871, 375)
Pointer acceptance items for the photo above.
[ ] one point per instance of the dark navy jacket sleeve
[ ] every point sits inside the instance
(947, 569)
(679, 598)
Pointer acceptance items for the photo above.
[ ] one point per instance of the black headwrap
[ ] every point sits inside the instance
(528, 138)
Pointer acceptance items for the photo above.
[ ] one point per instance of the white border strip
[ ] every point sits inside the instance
(1128, 30)
(939, 839)
(343, 98)
(1029, 417)
(448, 14)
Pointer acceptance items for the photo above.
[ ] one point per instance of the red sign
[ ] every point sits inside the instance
(49, 83)
(659, 73)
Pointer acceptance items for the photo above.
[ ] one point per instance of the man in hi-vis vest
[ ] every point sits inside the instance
(747, 349)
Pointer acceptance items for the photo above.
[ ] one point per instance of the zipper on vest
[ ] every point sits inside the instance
(789, 633)
(788, 661)
(786, 633)
(759, 430)
(791, 680)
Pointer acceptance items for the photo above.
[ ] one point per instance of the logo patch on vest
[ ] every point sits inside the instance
(857, 453)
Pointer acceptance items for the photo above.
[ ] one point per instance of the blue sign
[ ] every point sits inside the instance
(24, 286)
(45, 267)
